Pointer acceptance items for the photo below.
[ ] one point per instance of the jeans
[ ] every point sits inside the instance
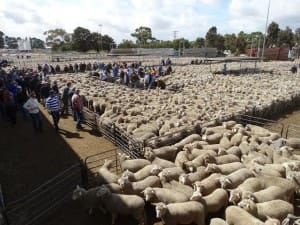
(37, 121)
(55, 117)
(79, 116)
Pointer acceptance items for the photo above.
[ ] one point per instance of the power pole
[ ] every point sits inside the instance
(175, 34)
(264, 43)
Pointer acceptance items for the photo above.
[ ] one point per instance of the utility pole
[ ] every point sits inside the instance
(100, 25)
(264, 43)
(175, 34)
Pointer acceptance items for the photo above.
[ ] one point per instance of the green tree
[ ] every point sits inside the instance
(220, 43)
(12, 42)
(82, 39)
(241, 43)
(181, 43)
(230, 42)
(56, 36)
(1, 39)
(272, 34)
(127, 44)
(286, 37)
(211, 37)
(199, 42)
(297, 36)
(37, 43)
(143, 35)
(108, 42)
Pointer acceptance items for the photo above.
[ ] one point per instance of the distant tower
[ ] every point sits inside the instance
(175, 34)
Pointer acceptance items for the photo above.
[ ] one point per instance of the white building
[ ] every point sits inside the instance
(24, 45)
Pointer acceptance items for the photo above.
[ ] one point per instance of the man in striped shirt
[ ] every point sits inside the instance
(52, 105)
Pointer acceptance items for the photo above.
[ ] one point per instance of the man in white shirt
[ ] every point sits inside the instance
(32, 106)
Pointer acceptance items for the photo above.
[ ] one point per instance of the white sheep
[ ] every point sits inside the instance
(234, 150)
(234, 179)
(277, 208)
(88, 199)
(149, 170)
(224, 168)
(212, 138)
(229, 124)
(132, 165)
(122, 204)
(208, 185)
(181, 213)
(167, 196)
(181, 158)
(172, 173)
(225, 159)
(217, 221)
(104, 176)
(158, 161)
(294, 177)
(190, 178)
(237, 216)
(201, 160)
(136, 188)
(189, 139)
(166, 152)
(213, 202)
(225, 141)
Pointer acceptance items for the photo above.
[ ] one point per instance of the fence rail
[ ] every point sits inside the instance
(43, 200)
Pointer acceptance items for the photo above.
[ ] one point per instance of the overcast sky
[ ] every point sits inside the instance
(119, 18)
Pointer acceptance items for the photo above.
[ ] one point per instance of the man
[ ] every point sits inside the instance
(32, 105)
(52, 105)
(77, 106)
(65, 99)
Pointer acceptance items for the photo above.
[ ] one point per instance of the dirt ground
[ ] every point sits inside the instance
(28, 159)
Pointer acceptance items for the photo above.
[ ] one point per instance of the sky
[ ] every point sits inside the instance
(119, 18)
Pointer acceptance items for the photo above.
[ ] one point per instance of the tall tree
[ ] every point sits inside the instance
(286, 37)
(1, 39)
(81, 39)
(143, 35)
(241, 43)
(230, 42)
(37, 43)
(211, 37)
(297, 36)
(12, 42)
(272, 34)
(56, 36)
(127, 44)
(220, 43)
(199, 42)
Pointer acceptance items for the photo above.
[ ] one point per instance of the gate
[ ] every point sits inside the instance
(94, 162)
(34, 206)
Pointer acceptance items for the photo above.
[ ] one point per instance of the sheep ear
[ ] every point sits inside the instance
(228, 180)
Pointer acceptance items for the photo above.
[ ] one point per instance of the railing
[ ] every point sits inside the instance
(45, 199)
(94, 162)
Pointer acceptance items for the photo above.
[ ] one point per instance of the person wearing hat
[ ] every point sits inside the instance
(32, 105)
(52, 105)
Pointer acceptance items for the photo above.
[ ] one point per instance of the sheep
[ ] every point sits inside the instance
(181, 158)
(113, 187)
(155, 195)
(293, 142)
(237, 138)
(158, 161)
(294, 177)
(208, 185)
(194, 152)
(256, 130)
(104, 176)
(213, 202)
(278, 209)
(276, 170)
(172, 173)
(235, 179)
(181, 213)
(143, 173)
(122, 204)
(246, 147)
(132, 165)
(225, 159)
(189, 139)
(229, 124)
(88, 199)
(136, 188)
(167, 152)
(201, 160)
(212, 138)
(176, 186)
(234, 150)
(217, 221)
(237, 216)
(190, 178)
(225, 141)
(224, 169)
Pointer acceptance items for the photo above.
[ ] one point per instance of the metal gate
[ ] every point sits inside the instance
(34, 206)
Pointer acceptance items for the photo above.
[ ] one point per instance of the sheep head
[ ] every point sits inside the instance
(225, 182)
(222, 151)
(156, 170)
(150, 155)
(198, 187)
(149, 193)
(248, 205)
(107, 164)
(196, 196)
(249, 195)
(78, 192)
(123, 181)
(128, 174)
(161, 209)
(235, 196)
(183, 178)
(212, 168)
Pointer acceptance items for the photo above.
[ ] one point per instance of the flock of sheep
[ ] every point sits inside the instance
(200, 97)
(224, 174)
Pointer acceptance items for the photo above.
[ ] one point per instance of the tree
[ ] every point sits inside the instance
(143, 35)
(297, 36)
(241, 43)
(12, 42)
(199, 42)
(220, 43)
(82, 39)
(1, 39)
(107, 42)
(127, 44)
(37, 43)
(181, 43)
(286, 37)
(272, 34)
(211, 37)
(56, 36)
(230, 42)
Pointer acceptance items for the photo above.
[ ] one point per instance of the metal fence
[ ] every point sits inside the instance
(94, 162)
(33, 207)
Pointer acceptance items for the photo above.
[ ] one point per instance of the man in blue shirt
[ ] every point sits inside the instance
(52, 105)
